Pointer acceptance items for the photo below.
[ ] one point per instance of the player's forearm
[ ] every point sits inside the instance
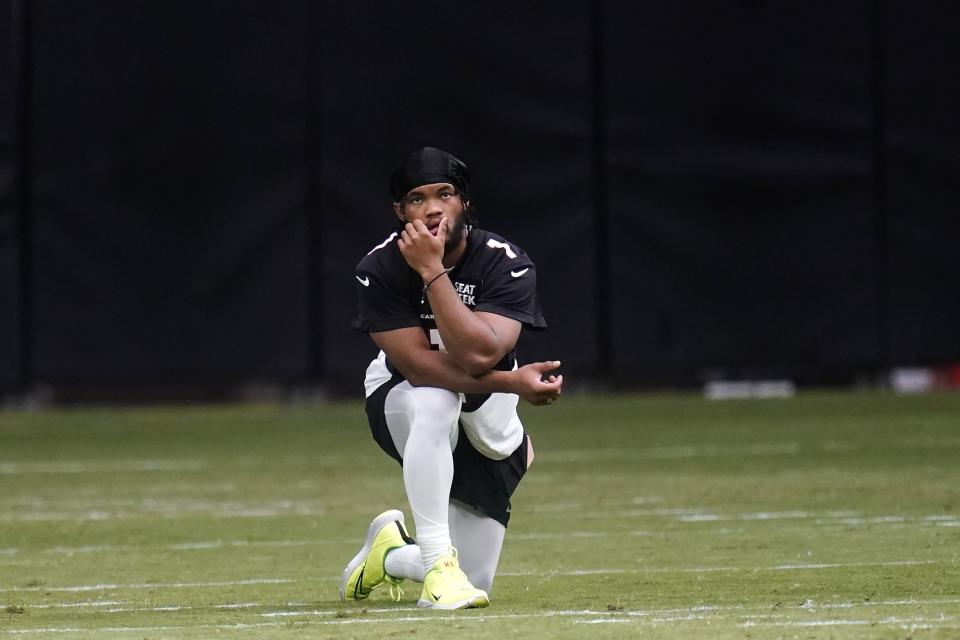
(470, 341)
(438, 369)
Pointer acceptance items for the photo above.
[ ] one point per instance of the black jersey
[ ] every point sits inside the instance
(493, 275)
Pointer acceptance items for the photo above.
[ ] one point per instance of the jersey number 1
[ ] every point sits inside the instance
(436, 341)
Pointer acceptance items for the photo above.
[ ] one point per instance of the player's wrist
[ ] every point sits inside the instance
(511, 381)
(432, 272)
(429, 280)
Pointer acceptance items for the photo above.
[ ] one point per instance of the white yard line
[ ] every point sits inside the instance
(116, 606)
(100, 466)
(680, 452)
(841, 565)
(559, 535)
(189, 511)
(763, 515)
(181, 607)
(940, 622)
(782, 567)
(641, 618)
(199, 545)
(886, 603)
(238, 626)
(218, 544)
(549, 573)
(75, 605)
(676, 613)
(167, 585)
(606, 621)
(698, 515)
(687, 516)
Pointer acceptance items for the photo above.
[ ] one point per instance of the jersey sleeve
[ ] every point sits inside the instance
(512, 292)
(382, 302)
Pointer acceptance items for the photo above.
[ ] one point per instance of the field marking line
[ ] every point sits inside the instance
(292, 614)
(569, 573)
(167, 585)
(703, 514)
(889, 603)
(187, 546)
(601, 617)
(840, 565)
(782, 567)
(685, 611)
(102, 515)
(939, 520)
(679, 452)
(827, 519)
(73, 605)
(903, 622)
(100, 466)
(92, 548)
(605, 621)
(183, 607)
(563, 535)
(420, 618)
(762, 515)
(217, 544)
(142, 629)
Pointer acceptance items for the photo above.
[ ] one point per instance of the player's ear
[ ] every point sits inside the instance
(398, 209)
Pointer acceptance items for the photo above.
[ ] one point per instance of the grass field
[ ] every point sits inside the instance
(821, 516)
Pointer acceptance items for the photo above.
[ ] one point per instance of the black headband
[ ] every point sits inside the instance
(429, 166)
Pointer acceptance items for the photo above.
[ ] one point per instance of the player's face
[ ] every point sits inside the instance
(431, 203)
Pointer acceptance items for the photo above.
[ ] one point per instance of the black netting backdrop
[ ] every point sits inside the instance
(708, 188)
(741, 212)
(921, 168)
(10, 354)
(509, 96)
(170, 215)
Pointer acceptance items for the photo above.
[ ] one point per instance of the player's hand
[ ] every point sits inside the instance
(535, 386)
(422, 250)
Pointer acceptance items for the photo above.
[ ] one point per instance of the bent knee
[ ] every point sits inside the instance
(433, 406)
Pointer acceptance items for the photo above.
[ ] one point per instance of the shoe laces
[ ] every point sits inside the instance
(454, 574)
(396, 593)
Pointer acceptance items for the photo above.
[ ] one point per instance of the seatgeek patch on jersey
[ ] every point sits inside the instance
(467, 292)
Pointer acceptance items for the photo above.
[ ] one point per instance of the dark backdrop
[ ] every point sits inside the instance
(10, 341)
(740, 182)
(920, 207)
(708, 188)
(169, 171)
(502, 85)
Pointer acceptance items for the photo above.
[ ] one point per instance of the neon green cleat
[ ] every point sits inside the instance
(366, 571)
(447, 587)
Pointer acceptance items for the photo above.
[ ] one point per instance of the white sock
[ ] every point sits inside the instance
(405, 562)
(433, 537)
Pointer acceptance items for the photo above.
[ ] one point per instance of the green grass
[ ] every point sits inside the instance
(821, 516)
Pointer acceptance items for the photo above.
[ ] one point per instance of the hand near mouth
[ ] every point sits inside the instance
(423, 248)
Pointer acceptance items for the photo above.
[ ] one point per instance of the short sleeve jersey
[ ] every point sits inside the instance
(493, 275)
